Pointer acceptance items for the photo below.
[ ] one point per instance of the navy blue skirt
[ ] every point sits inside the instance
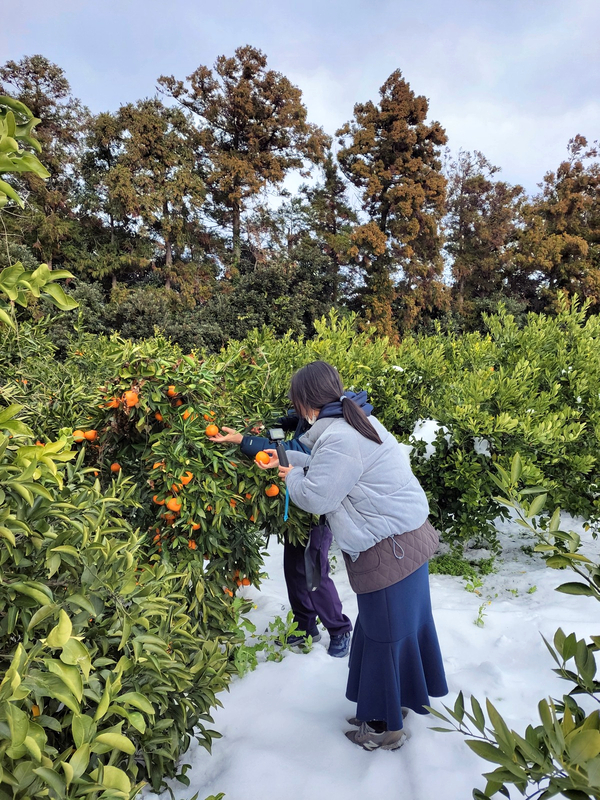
(395, 659)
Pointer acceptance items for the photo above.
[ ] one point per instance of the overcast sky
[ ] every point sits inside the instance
(515, 79)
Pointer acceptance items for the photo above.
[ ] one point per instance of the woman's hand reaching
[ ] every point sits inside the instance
(230, 435)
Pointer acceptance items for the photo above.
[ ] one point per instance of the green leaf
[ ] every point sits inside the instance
(554, 524)
(488, 751)
(40, 615)
(537, 504)
(501, 731)
(516, 469)
(18, 723)
(136, 700)
(112, 778)
(31, 591)
(82, 602)
(83, 728)
(60, 634)
(583, 745)
(70, 676)
(574, 587)
(52, 778)
(9, 412)
(117, 741)
(59, 298)
(76, 653)
(80, 760)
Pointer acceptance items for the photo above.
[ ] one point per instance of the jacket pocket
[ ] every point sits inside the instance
(368, 561)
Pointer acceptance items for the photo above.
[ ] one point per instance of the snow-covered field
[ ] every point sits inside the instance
(283, 724)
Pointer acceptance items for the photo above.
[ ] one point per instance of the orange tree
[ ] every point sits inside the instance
(197, 500)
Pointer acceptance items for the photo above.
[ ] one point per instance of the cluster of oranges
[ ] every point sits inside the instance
(263, 458)
(130, 398)
(87, 436)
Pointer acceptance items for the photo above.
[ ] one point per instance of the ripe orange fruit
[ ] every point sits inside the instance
(156, 538)
(187, 413)
(35, 710)
(39, 444)
(209, 508)
(192, 544)
(115, 467)
(195, 526)
(232, 503)
(131, 398)
(185, 479)
(175, 488)
(158, 416)
(158, 464)
(211, 430)
(113, 403)
(78, 436)
(171, 391)
(228, 591)
(252, 518)
(157, 501)
(91, 436)
(245, 581)
(174, 505)
(272, 490)
(261, 457)
(248, 496)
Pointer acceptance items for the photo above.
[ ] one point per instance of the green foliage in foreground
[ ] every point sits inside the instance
(107, 670)
(560, 755)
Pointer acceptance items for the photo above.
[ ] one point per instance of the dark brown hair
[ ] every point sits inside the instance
(317, 384)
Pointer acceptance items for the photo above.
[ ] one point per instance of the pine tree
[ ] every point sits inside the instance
(560, 245)
(49, 223)
(252, 127)
(391, 153)
(483, 217)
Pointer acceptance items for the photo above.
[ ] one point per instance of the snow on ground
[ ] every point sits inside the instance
(283, 724)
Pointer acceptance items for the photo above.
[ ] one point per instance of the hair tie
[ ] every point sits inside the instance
(342, 398)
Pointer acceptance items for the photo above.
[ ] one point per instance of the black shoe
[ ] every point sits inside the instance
(299, 639)
(339, 646)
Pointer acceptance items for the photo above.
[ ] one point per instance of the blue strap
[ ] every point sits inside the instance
(287, 504)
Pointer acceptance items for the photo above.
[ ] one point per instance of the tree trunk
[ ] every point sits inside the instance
(168, 262)
(237, 244)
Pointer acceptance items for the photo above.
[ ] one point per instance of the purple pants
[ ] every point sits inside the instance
(307, 606)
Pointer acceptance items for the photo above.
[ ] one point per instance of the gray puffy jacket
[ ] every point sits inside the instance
(366, 490)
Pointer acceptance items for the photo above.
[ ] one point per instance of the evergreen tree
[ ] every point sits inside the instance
(49, 224)
(331, 222)
(391, 153)
(111, 244)
(483, 216)
(560, 246)
(156, 178)
(252, 127)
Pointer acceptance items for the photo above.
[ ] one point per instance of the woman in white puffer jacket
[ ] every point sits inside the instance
(359, 477)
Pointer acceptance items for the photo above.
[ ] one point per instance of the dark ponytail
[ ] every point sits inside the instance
(318, 384)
